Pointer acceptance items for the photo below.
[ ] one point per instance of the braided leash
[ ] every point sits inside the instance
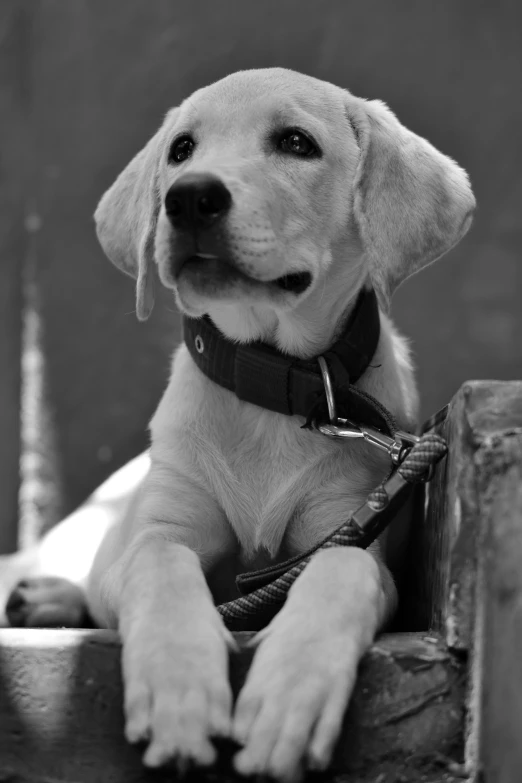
(360, 530)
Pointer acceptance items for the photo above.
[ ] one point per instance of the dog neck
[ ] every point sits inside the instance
(307, 330)
(312, 327)
(264, 376)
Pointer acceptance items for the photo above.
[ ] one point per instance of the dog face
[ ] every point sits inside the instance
(269, 188)
(252, 192)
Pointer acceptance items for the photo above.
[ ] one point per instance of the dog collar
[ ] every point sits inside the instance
(261, 375)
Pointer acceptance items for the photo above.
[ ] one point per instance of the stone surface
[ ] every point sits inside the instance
(61, 713)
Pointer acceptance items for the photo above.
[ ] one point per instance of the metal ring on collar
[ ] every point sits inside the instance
(328, 388)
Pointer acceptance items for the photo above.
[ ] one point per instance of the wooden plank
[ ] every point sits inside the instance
(13, 107)
(61, 706)
(446, 536)
(439, 588)
(494, 742)
(468, 553)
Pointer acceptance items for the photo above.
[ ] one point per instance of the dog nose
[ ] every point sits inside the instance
(197, 200)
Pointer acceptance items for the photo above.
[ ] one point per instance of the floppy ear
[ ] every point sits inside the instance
(126, 220)
(411, 203)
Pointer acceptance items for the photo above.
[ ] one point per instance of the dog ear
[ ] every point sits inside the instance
(411, 203)
(126, 220)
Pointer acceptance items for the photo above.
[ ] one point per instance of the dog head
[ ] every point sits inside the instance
(269, 186)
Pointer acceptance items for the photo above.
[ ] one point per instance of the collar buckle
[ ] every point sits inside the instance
(344, 429)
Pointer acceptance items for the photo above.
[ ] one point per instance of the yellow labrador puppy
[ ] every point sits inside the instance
(267, 201)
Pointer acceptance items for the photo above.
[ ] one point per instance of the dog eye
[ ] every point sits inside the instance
(181, 149)
(297, 143)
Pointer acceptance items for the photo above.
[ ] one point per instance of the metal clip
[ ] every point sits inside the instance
(396, 447)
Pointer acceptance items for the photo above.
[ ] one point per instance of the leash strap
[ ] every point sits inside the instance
(266, 590)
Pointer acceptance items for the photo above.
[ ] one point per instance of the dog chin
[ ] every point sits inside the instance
(195, 302)
(191, 309)
(201, 281)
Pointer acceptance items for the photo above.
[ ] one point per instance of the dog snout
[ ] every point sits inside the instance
(197, 201)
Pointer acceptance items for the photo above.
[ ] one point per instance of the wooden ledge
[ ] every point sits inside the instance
(61, 705)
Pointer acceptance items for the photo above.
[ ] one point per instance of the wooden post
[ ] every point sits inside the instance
(494, 750)
(468, 568)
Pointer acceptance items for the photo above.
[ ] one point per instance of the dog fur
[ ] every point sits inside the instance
(231, 486)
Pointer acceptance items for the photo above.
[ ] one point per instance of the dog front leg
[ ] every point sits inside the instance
(291, 708)
(174, 656)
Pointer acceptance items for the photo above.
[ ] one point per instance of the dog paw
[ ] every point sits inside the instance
(47, 602)
(289, 713)
(177, 696)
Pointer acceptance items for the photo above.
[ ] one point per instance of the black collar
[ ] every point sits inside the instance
(261, 375)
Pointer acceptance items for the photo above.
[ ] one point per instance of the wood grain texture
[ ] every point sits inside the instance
(61, 706)
(440, 591)
(495, 719)
(442, 562)
(468, 553)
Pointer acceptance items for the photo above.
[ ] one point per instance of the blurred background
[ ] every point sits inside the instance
(85, 83)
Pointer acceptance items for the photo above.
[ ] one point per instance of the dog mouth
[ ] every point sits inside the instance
(209, 273)
(295, 283)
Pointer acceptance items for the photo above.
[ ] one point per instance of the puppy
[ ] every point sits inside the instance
(295, 195)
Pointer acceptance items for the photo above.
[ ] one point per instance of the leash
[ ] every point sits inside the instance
(413, 459)
(318, 390)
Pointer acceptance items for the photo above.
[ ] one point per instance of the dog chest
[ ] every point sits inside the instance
(269, 475)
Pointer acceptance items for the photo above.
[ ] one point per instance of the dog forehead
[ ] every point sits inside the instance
(247, 97)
